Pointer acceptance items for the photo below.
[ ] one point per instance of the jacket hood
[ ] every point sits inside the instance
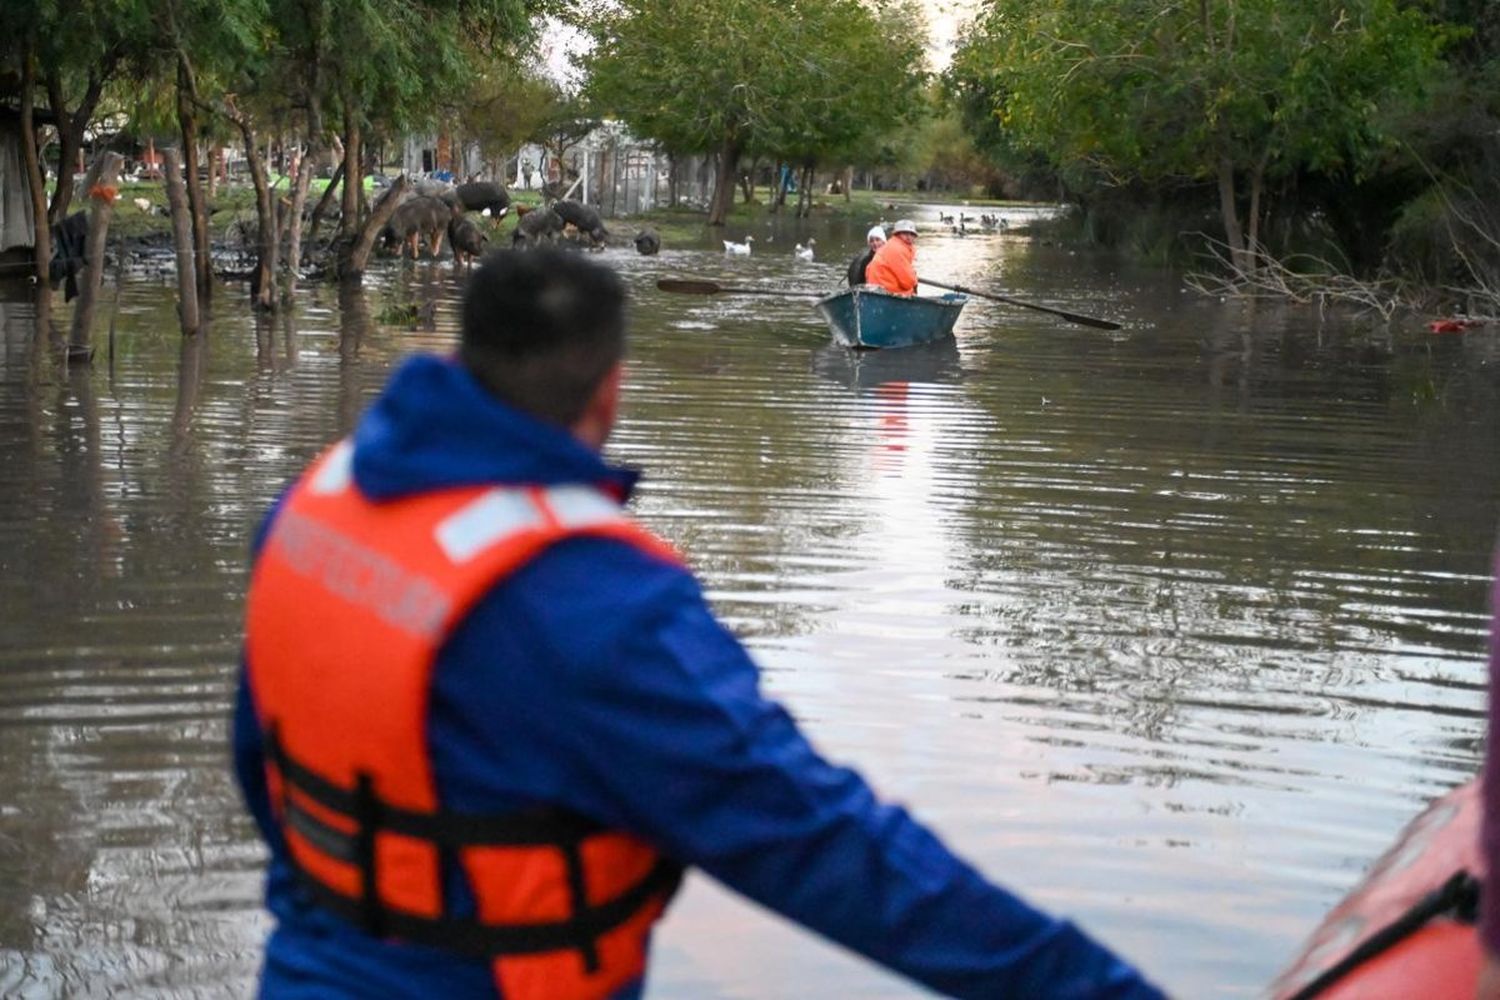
(434, 426)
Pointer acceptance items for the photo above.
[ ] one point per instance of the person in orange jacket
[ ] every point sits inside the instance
(893, 268)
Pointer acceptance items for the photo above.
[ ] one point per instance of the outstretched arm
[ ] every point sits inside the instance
(660, 728)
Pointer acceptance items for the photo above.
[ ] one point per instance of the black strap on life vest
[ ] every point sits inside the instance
(450, 832)
(1459, 896)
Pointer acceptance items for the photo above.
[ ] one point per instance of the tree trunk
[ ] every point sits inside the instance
(1229, 214)
(356, 250)
(321, 208)
(303, 182)
(369, 160)
(41, 246)
(187, 120)
(263, 279)
(70, 129)
(805, 196)
(353, 178)
(101, 209)
(848, 183)
(182, 239)
(747, 182)
(779, 202)
(1257, 188)
(723, 200)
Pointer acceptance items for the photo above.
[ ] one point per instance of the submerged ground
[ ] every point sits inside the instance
(1169, 628)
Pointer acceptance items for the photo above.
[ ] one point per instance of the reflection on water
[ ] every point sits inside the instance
(1169, 628)
(855, 369)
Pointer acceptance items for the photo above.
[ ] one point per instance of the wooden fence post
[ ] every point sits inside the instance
(101, 196)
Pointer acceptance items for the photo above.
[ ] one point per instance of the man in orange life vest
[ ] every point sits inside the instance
(485, 718)
(893, 267)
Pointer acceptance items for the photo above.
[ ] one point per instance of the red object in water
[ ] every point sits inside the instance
(1441, 957)
(1450, 325)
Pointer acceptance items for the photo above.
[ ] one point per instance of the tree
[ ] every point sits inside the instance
(68, 52)
(1448, 232)
(367, 64)
(77, 63)
(506, 105)
(1234, 92)
(945, 155)
(723, 76)
(862, 81)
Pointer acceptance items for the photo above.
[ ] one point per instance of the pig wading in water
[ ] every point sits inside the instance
(647, 242)
(422, 217)
(466, 239)
(535, 225)
(582, 218)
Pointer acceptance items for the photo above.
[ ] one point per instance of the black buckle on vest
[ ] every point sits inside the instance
(578, 891)
(536, 828)
(367, 825)
(450, 832)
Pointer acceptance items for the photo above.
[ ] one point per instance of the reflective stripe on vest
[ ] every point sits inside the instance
(350, 601)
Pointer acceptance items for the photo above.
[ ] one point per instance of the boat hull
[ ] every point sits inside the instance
(1438, 957)
(871, 317)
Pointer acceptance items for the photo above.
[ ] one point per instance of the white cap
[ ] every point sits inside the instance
(905, 226)
(875, 233)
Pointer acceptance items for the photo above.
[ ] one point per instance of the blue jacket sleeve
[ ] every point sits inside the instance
(666, 733)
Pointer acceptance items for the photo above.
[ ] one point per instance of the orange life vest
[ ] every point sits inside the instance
(350, 601)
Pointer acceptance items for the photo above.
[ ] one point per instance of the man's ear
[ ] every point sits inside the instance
(598, 418)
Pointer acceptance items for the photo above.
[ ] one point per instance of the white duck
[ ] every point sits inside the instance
(805, 252)
(739, 249)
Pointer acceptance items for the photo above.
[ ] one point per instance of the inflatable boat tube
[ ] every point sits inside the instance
(1408, 929)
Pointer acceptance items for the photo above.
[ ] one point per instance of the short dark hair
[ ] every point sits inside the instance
(541, 329)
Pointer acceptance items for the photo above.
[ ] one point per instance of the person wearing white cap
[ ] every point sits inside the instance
(894, 267)
(874, 240)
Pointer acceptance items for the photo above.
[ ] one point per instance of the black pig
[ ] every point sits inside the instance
(582, 218)
(480, 195)
(466, 240)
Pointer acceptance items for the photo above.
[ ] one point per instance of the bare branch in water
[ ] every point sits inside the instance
(1313, 280)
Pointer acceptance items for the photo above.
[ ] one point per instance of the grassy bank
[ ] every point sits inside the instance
(140, 213)
(861, 208)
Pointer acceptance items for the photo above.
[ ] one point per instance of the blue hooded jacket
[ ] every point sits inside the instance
(597, 679)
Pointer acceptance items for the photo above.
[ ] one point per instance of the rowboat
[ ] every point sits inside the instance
(872, 317)
(1408, 929)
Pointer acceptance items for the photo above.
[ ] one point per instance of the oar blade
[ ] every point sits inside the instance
(686, 286)
(1072, 317)
(700, 286)
(1094, 321)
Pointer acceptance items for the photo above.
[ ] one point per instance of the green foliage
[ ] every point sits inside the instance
(506, 104)
(1160, 91)
(1241, 98)
(944, 153)
(803, 80)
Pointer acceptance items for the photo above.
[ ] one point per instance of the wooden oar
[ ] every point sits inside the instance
(1102, 324)
(700, 287)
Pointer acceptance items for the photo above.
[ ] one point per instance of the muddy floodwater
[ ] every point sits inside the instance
(1169, 628)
